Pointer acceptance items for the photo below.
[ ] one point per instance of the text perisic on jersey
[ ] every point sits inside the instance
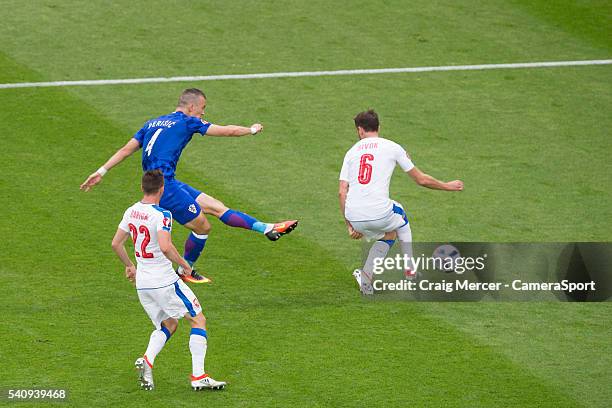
(161, 123)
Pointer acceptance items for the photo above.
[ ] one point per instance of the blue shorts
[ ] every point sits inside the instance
(180, 199)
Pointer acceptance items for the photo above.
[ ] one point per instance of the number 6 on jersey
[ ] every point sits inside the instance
(365, 168)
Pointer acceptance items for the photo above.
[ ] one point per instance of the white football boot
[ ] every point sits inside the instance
(145, 374)
(366, 283)
(357, 276)
(367, 289)
(206, 383)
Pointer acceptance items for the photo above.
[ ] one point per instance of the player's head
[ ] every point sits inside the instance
(366, 122)
(153, 183)
(192, 102)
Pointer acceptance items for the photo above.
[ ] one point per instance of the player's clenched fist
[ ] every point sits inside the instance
(130, 273)
(354, 234)
(256, 128)
(456, 185)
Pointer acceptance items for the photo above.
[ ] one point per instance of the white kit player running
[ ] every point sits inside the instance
(364, 195)
(162, 294)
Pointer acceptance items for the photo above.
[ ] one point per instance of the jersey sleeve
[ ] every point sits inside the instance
(197, 125)
(403, 159)
(123, 225)
(140, 135)
(165, 221)
(344, 176)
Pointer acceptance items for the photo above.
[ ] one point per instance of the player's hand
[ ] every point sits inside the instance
(455, 185)
(187, 269)
(91, 181)
(130, 273)
(258, 127)
(354, 234)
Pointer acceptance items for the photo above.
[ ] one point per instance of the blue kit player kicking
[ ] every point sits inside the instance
(162, 141)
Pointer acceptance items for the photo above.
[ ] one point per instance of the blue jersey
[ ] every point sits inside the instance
(164, 138)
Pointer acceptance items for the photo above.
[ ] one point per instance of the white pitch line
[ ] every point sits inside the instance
(306, 74)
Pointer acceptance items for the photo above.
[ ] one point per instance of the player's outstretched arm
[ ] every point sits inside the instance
(121, 154)
(118, 246)
(233, 130)
(169, 250)
(425, 180)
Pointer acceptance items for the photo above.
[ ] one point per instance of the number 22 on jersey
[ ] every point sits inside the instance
(145, 241)
(365, 168)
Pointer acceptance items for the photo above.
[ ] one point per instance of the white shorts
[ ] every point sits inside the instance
(174, 301)
(376, 229)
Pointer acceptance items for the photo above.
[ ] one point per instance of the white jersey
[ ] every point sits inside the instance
(368, 167)
(143, 221)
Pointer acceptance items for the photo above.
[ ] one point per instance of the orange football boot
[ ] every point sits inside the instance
(195, 277)
(281, 229)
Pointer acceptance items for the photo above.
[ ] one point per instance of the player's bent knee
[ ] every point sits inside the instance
(170, 324)
(198, 321)
(204, 228)
(390, 235)
(199, 225)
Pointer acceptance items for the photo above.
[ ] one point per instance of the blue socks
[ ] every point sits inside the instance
(389, 242)
(239, 219)
(193, 247)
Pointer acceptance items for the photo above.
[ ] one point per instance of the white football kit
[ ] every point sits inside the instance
(161, 292)
(368, 167)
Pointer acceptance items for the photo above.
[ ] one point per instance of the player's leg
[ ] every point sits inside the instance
(165, 327)
(158, 340)
(404, 235)
(196, 241)
(198, 340)
(180, 301)
(180, 199)
(378, 252)
(198, 343)
(235, 218)
(373, 230)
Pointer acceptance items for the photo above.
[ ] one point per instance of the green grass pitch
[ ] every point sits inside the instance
(287, 326)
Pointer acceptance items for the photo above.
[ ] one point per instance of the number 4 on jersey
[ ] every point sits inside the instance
(365, 168)
(152, 141)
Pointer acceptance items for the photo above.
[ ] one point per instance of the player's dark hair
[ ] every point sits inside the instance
(367, 120)
(190, 96)
(152, 181)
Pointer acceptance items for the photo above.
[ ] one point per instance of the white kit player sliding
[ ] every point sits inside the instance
(162, 294)
(364, 195)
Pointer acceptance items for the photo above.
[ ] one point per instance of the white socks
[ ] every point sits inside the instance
(198, 343)
(404, 234)
(378, 250)
(157, 341)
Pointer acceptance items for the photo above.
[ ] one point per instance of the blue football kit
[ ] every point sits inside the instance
(162, 140)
